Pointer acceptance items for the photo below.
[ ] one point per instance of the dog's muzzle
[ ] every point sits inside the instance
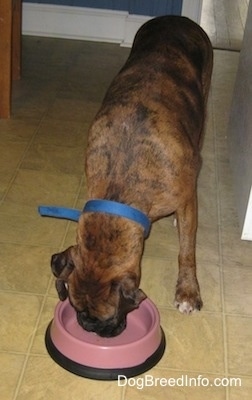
(107, 328)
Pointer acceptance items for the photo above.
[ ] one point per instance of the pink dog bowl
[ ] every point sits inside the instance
(137, 349)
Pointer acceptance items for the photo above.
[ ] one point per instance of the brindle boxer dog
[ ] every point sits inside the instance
(143, 151)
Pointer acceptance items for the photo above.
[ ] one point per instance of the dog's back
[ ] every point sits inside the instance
(179, 45)
(151, 120)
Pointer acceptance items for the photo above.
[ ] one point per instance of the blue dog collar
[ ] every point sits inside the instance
(59, 212)
(106, 206)
(121, 210)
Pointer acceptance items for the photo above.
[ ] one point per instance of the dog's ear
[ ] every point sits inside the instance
(60, 286)
(62, 264)
(130, 295)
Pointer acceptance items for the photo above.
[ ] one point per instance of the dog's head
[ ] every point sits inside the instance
(101, 273)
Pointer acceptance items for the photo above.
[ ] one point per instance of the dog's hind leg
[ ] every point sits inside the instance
(187, 297)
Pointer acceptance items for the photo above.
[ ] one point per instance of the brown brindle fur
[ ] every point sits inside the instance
(144, 151)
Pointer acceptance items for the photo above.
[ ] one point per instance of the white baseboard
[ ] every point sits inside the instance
(89, 23)
(80, 23)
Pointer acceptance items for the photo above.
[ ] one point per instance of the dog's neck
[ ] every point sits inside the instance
(98, 205)
(121, 210)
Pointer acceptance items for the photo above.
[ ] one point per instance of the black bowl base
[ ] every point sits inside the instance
(102, 373)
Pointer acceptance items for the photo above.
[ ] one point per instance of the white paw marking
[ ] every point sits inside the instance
(184, 307)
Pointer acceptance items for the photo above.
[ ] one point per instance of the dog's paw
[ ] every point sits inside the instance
(188, 302)
(186, 308)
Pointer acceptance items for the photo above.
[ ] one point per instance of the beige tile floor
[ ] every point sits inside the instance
(42, 151)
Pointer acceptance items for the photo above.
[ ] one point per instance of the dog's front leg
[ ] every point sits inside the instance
(187, 297)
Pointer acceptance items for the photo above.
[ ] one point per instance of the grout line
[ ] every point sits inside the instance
(199, 372)
(22, 159)
(20, 380)
(159, 305)
(219, 48)
(22, 293)
(219, 211)
(123, 393)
